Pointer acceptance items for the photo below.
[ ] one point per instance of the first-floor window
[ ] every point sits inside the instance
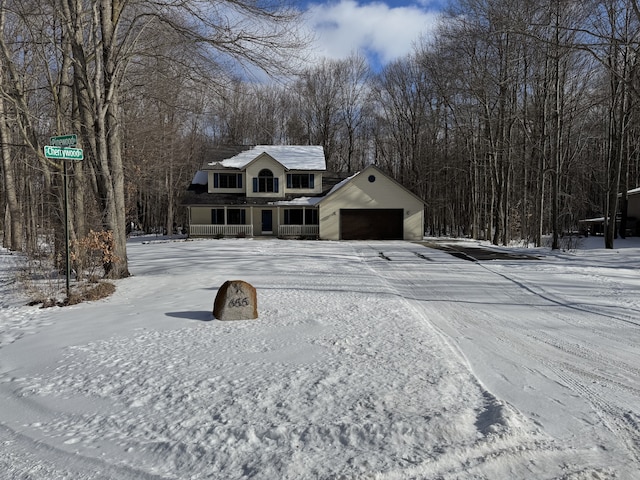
(300, 216)
(236, 216)
(217, 216)
(293, 216)
(311, 216)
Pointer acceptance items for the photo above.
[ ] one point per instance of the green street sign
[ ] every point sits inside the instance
(63, 153)
(64, 141)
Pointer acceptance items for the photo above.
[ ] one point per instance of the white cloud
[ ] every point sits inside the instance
(382, 32)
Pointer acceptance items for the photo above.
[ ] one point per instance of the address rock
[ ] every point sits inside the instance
(236, 300)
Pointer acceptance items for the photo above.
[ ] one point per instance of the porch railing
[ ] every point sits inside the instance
(220, 230)
(205, 230)
(298, 230)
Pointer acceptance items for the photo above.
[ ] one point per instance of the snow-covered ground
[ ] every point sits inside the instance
(384, 360)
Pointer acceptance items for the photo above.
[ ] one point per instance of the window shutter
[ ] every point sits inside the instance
(289, 180)
(216, 180)
(243, 217)
(255, 184)
(312, 177)
(239, 180)
(275, 184)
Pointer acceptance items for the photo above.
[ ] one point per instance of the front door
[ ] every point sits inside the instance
(267, 221)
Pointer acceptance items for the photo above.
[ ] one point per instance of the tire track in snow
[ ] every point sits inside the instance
(549, 297)
(559, 357)
(520, 442)
(22, 457)
(622, 422)
(587, 350)
(590, 354)
(615, 416)
(616, 413)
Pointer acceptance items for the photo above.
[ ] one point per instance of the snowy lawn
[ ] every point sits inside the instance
(384, 360)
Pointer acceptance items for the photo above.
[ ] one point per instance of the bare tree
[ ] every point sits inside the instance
(615, 42)
(100, 39)
(21, 98)
(13, 224)
(319, 90)
(403, 101)
(353, 76)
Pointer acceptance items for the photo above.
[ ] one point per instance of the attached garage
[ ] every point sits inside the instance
(372, 224)
(371, 206)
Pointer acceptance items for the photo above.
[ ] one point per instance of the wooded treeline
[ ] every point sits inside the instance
(515, 120)
(132, 79)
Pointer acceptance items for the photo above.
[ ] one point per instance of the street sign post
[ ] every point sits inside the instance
(63, 148)
(63, 153)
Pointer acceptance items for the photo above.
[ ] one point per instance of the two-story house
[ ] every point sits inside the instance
(286, 191)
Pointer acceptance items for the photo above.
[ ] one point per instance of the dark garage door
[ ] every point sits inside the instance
(371, 224)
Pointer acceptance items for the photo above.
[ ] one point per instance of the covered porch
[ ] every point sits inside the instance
(254, 220)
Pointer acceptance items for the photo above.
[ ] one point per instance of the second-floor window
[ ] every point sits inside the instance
(300, 180)
(265, 182)
(227, 180)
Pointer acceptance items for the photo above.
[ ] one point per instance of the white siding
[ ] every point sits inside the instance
(252, 171)
(360, 193)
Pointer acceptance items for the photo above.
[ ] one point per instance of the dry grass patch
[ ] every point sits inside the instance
(90, 292)
(87, 292)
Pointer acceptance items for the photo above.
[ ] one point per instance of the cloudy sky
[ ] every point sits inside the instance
(383, 30)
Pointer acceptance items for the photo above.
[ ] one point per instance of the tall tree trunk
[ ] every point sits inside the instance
(117, 210)
(557, 132)
(13, 235)
(170, 220)
(614, 172)
(96, 84)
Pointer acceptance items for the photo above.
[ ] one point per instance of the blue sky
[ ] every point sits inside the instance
(382, 30)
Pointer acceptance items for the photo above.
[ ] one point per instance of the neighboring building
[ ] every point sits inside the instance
(595, 226)
(285, 191)
(633, 212)
(632, 226)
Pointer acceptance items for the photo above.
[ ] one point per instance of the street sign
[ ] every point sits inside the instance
(63, 153)
(64, 141)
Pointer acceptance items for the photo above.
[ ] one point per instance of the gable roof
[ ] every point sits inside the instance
(292, 157)
(348, 181)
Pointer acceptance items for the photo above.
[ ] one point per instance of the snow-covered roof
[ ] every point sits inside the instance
(341, 184)
(292, 157)
(368, 168)
(300, 201)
